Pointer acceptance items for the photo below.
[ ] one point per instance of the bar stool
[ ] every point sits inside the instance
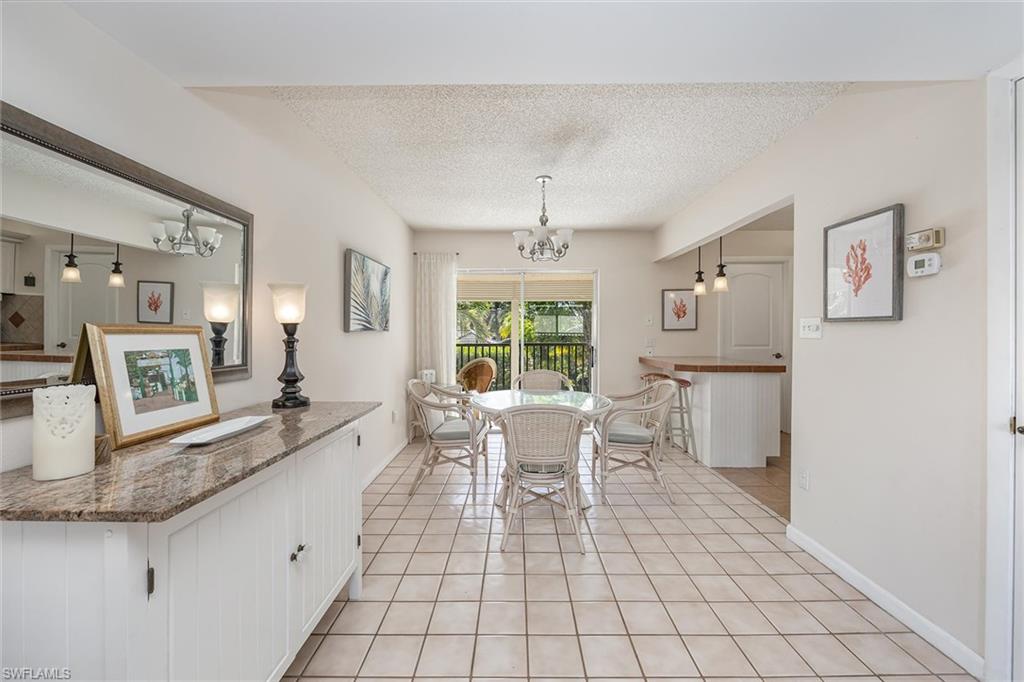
(682, 408)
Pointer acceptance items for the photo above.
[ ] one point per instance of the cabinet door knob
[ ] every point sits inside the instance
(777, 356)
(297, 554)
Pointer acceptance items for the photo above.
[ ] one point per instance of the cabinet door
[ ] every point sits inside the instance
(225, 576)
(326, 526)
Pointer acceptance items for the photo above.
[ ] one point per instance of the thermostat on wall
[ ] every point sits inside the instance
(924, 264)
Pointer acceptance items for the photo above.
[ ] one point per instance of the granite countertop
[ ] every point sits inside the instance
(153, 481)
(709, 363)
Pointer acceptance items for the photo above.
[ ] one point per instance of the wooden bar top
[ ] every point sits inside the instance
(708, 363)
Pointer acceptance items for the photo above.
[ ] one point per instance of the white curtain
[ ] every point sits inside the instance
(436, 278)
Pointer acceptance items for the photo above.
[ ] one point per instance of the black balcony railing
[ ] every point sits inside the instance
(571, 359)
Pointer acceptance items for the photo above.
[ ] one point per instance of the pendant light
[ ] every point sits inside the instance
(71, 274)
(721, 284)
(116, 279)
(699, 287)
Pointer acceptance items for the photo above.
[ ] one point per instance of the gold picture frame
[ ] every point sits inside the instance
(134, 412)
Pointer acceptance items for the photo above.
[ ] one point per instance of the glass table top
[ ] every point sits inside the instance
(496, 401)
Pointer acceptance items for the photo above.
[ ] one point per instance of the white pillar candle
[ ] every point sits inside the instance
(63, 431)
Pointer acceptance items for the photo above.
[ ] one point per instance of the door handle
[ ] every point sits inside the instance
(777, 356)
(62, 345)
(1020, 430)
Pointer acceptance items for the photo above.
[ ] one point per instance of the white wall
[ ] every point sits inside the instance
(629, 287)
(888, 417)
(308, 206)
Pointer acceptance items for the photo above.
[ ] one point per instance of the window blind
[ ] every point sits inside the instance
(538, 287)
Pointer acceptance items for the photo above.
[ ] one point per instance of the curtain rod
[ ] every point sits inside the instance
(416, 253)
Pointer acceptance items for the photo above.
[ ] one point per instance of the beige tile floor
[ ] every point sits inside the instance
(708, 587)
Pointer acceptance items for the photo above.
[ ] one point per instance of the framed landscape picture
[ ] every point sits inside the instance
(151, 381)
(863, 278)
(155, 302)
(678, 310)
(367, 294)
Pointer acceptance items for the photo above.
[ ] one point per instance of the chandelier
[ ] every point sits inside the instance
(540, 245)
(182, 239)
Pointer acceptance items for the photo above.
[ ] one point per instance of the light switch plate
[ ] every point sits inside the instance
(810, 327)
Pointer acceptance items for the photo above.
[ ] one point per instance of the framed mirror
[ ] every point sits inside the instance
(88, 235)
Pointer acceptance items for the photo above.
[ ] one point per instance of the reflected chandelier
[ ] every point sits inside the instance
(182, 239)
(540, 245)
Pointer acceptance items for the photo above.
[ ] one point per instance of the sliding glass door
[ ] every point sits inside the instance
(528, 320)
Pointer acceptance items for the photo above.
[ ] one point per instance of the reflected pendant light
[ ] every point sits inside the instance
(116, 279)
(71, 274)
(721, 284)
(699, 287)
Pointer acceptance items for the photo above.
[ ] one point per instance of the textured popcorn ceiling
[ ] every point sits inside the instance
(465, 157)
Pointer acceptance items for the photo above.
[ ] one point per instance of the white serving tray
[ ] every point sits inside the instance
(219, 431)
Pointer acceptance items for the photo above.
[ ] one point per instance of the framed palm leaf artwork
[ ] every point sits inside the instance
(367, 293)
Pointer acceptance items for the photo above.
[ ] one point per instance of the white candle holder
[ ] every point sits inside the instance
(63, 431)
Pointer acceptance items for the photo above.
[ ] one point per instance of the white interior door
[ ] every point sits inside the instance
(1018, 504)
(91, 300)
(752, 321)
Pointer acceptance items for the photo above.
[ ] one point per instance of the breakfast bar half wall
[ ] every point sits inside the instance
(213, 562)
(736, 407)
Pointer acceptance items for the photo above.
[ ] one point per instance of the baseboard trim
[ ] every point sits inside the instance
(383, 464)
(961, 654)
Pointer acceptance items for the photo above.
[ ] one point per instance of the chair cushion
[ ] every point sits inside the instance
(455, 429)
(538, 468)
(628, 433)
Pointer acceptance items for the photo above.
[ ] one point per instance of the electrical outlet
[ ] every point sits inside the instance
(805, 480)
(186, 314)
(649, 321)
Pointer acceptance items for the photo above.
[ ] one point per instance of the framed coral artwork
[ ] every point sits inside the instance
(156, 302)
(863, 277)
(678, 310)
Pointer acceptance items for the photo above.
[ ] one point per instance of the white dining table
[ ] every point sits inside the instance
(493, 402)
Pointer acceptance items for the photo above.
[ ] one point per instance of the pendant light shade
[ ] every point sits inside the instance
(699, 286)
(116, 278)
(71, 274)
(721, 284)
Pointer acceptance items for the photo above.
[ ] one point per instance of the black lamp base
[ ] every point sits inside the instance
(291, 393)
(217, 343)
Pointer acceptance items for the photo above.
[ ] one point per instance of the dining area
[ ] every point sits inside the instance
(543, 423)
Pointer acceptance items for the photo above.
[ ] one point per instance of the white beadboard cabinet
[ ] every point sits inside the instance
(237, 581)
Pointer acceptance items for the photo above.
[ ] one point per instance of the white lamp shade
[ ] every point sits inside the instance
(520, 236)
(116, 280)
(541, 233)
(207, 234)
(70, 275)
(289, 301)
(172, 228)
(564, 236)
(721, 284)
(157, 231)
(700, 288)
(217, 239)
(220, 301)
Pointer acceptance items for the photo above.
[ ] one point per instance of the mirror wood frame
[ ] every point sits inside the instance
(31, 128)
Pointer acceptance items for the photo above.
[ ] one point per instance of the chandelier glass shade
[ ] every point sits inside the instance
(543, 243)
(171, 236)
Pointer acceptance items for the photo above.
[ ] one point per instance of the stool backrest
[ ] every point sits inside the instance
(542, 380)
(542, 434)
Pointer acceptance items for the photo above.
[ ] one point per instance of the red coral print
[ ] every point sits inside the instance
(858, 267)
(154, 302)
(679, 309)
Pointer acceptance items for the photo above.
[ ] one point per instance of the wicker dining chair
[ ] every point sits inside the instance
(478, 375)
(542, 445)
(452, 430)
(633, 436)
(542, 380)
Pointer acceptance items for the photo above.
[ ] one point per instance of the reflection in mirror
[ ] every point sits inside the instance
(80, 245)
